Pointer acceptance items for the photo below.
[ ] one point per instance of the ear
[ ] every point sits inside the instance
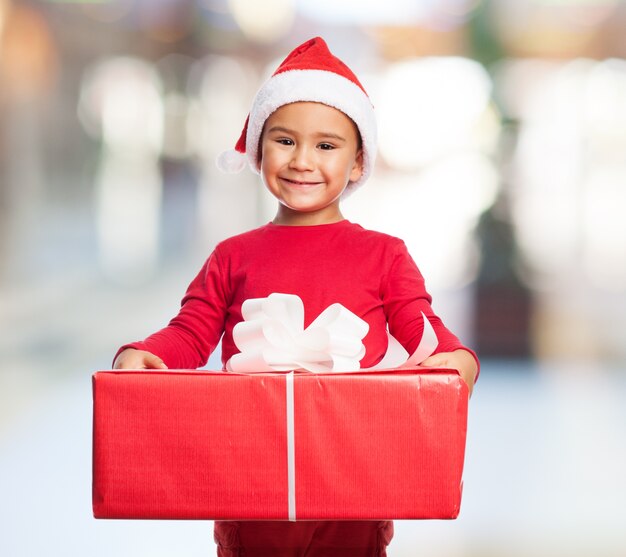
(357, 167)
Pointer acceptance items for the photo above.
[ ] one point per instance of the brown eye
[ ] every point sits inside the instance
(326, 146)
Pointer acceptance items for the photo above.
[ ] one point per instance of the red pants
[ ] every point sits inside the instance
(303, 539)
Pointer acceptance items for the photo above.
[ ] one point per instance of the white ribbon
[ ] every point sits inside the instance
(272, 337)
(398, 357)
(291, 449)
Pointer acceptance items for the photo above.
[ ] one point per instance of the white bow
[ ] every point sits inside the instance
(272, 337)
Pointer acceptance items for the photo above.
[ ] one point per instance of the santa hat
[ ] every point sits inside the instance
(310, 73)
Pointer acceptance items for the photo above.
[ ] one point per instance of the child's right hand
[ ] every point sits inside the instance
(138, 359)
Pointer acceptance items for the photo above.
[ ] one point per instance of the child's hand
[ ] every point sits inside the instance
(138, 359)
(460, 360)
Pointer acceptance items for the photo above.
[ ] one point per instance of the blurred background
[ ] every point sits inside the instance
(502, 128)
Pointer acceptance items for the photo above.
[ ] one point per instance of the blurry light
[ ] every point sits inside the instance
(450, 14)
(218, 15)
(169, 32)
(176, 139)
(569, 173)
(107, 11)
(584, 13)
(128, 201)
(548, 167)
(391, 12)
(121, 101)
(560, 13)
(519, 81)
(266, 21)
(165, 21)
(604, 195)
(604, 226)
(449, 196)
(28, 55)
(567, 3)
(4, 14)
(553, 29)
(458, 8)
(174, 71)
(430, 107)
(592, 13)
(131, 116)
(605, 104)
(366, 11)
(487, 131)
(472, 182)
(216, 6)
(216, 119)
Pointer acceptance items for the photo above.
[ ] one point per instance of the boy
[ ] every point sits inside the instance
(311, 134)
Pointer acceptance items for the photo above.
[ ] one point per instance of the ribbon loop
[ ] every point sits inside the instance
(273, 335)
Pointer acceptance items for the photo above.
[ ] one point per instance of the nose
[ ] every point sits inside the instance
(302, 158)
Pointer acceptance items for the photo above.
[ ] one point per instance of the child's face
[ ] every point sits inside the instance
(309, 153)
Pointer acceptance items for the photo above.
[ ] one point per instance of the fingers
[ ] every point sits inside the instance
(452, 360)
(153, 362)
(434, 361)
(119, 362)
(138, 359)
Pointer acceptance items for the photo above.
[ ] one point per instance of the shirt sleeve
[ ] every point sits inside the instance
(191, 336)
(405, 298)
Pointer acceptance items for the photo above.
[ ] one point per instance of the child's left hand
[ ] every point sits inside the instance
(460, 360)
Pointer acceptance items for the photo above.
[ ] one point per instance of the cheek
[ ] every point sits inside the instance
(342, 167)
(271, 158)
(265, 163)
(269, 168)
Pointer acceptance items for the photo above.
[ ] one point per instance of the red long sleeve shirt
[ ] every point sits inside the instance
(370, 273)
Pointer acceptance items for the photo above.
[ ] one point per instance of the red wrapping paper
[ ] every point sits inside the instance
(213, 445)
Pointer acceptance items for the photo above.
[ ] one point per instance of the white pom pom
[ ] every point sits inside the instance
(231, 161)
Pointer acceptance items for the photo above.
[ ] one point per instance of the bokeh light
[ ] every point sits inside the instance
(121, 99)
(4, 12)
(252, 18)
(122, 102)
(431, 107)
(443, 13)
(570, 159)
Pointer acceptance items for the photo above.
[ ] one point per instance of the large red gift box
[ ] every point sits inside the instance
(278, 446)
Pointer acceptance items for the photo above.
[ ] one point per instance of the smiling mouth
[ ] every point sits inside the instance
(300, 183)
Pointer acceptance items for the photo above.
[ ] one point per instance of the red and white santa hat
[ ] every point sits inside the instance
(310, 73)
